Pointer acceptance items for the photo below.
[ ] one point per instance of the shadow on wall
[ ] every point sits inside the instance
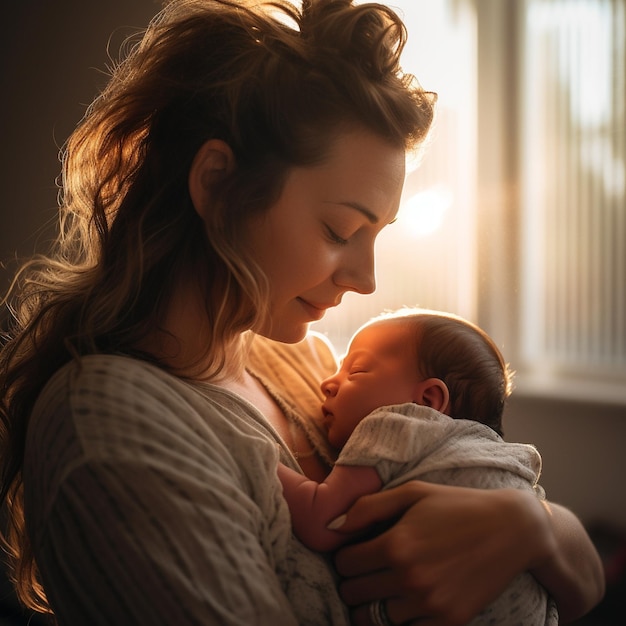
(582, 445)
(52, 61)
(584, 464)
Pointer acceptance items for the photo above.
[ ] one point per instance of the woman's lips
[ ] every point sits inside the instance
(314, 311)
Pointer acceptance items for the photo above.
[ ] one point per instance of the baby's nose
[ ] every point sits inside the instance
(328, 387)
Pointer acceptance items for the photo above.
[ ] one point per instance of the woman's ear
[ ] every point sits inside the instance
(432, 392)
(212, 163)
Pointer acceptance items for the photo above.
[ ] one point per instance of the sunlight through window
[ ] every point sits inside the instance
(424, 213)
(573, 164)
(428, 258)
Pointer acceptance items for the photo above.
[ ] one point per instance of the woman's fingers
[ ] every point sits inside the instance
(363, 589)
(425, 534)
(383, 506)
(448, 553)
(362, 616)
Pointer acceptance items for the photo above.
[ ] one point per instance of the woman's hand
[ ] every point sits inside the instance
(450, 552)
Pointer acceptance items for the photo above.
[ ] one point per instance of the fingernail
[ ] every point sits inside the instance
(338, 522)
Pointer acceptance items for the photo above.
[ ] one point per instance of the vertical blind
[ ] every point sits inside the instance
(573, 176)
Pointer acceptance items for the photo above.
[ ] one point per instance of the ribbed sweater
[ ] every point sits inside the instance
(151, 500)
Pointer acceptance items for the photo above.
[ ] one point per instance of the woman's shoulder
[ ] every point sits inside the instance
(116, 402)
(110, 411)
(104, 379)
(118, 450)
(100, 377)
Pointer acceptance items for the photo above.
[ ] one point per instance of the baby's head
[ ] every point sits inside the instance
(427, 357)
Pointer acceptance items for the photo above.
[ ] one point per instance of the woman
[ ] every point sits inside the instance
(232, 177)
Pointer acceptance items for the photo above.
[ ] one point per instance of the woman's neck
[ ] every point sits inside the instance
(181, 343)
(184, 342)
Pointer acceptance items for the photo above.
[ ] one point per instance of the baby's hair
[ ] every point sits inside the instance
(464, 357)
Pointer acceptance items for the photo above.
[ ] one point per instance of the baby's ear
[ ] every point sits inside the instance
(212, 163)
(432, 392)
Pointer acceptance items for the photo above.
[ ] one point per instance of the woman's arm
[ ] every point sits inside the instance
(573, 574)
(314, 505)
(453, 550)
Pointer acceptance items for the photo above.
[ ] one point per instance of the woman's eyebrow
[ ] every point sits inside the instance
(370, 215)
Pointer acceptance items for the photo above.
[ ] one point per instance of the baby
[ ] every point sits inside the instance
(419, 395)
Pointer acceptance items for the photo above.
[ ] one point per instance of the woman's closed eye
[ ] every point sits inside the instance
(334, 237)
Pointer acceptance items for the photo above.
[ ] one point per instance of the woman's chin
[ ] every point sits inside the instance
(285, 334)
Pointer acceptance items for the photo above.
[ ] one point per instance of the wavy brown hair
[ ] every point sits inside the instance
(277, 84)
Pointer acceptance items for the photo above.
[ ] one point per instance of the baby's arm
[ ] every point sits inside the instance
(314, 505)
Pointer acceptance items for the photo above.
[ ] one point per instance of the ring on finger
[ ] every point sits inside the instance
(378, 614)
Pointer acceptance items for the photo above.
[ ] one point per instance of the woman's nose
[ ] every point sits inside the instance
(358, 273)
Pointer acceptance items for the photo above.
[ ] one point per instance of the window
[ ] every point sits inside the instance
(516, 217)
(573, 189)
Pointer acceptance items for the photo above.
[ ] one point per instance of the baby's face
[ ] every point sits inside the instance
(379, 369)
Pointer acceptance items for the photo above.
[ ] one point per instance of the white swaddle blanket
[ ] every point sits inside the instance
(411, 442)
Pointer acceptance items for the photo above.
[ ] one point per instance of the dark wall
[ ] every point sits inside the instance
(52, 54)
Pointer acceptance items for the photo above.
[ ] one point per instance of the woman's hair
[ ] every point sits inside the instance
(465, 358)
(277, 84)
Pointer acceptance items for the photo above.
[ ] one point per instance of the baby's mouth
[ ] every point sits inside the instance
(328, 417)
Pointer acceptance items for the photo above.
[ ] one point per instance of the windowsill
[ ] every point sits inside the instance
(571, 389)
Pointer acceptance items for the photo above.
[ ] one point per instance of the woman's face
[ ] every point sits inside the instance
(317, 241)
